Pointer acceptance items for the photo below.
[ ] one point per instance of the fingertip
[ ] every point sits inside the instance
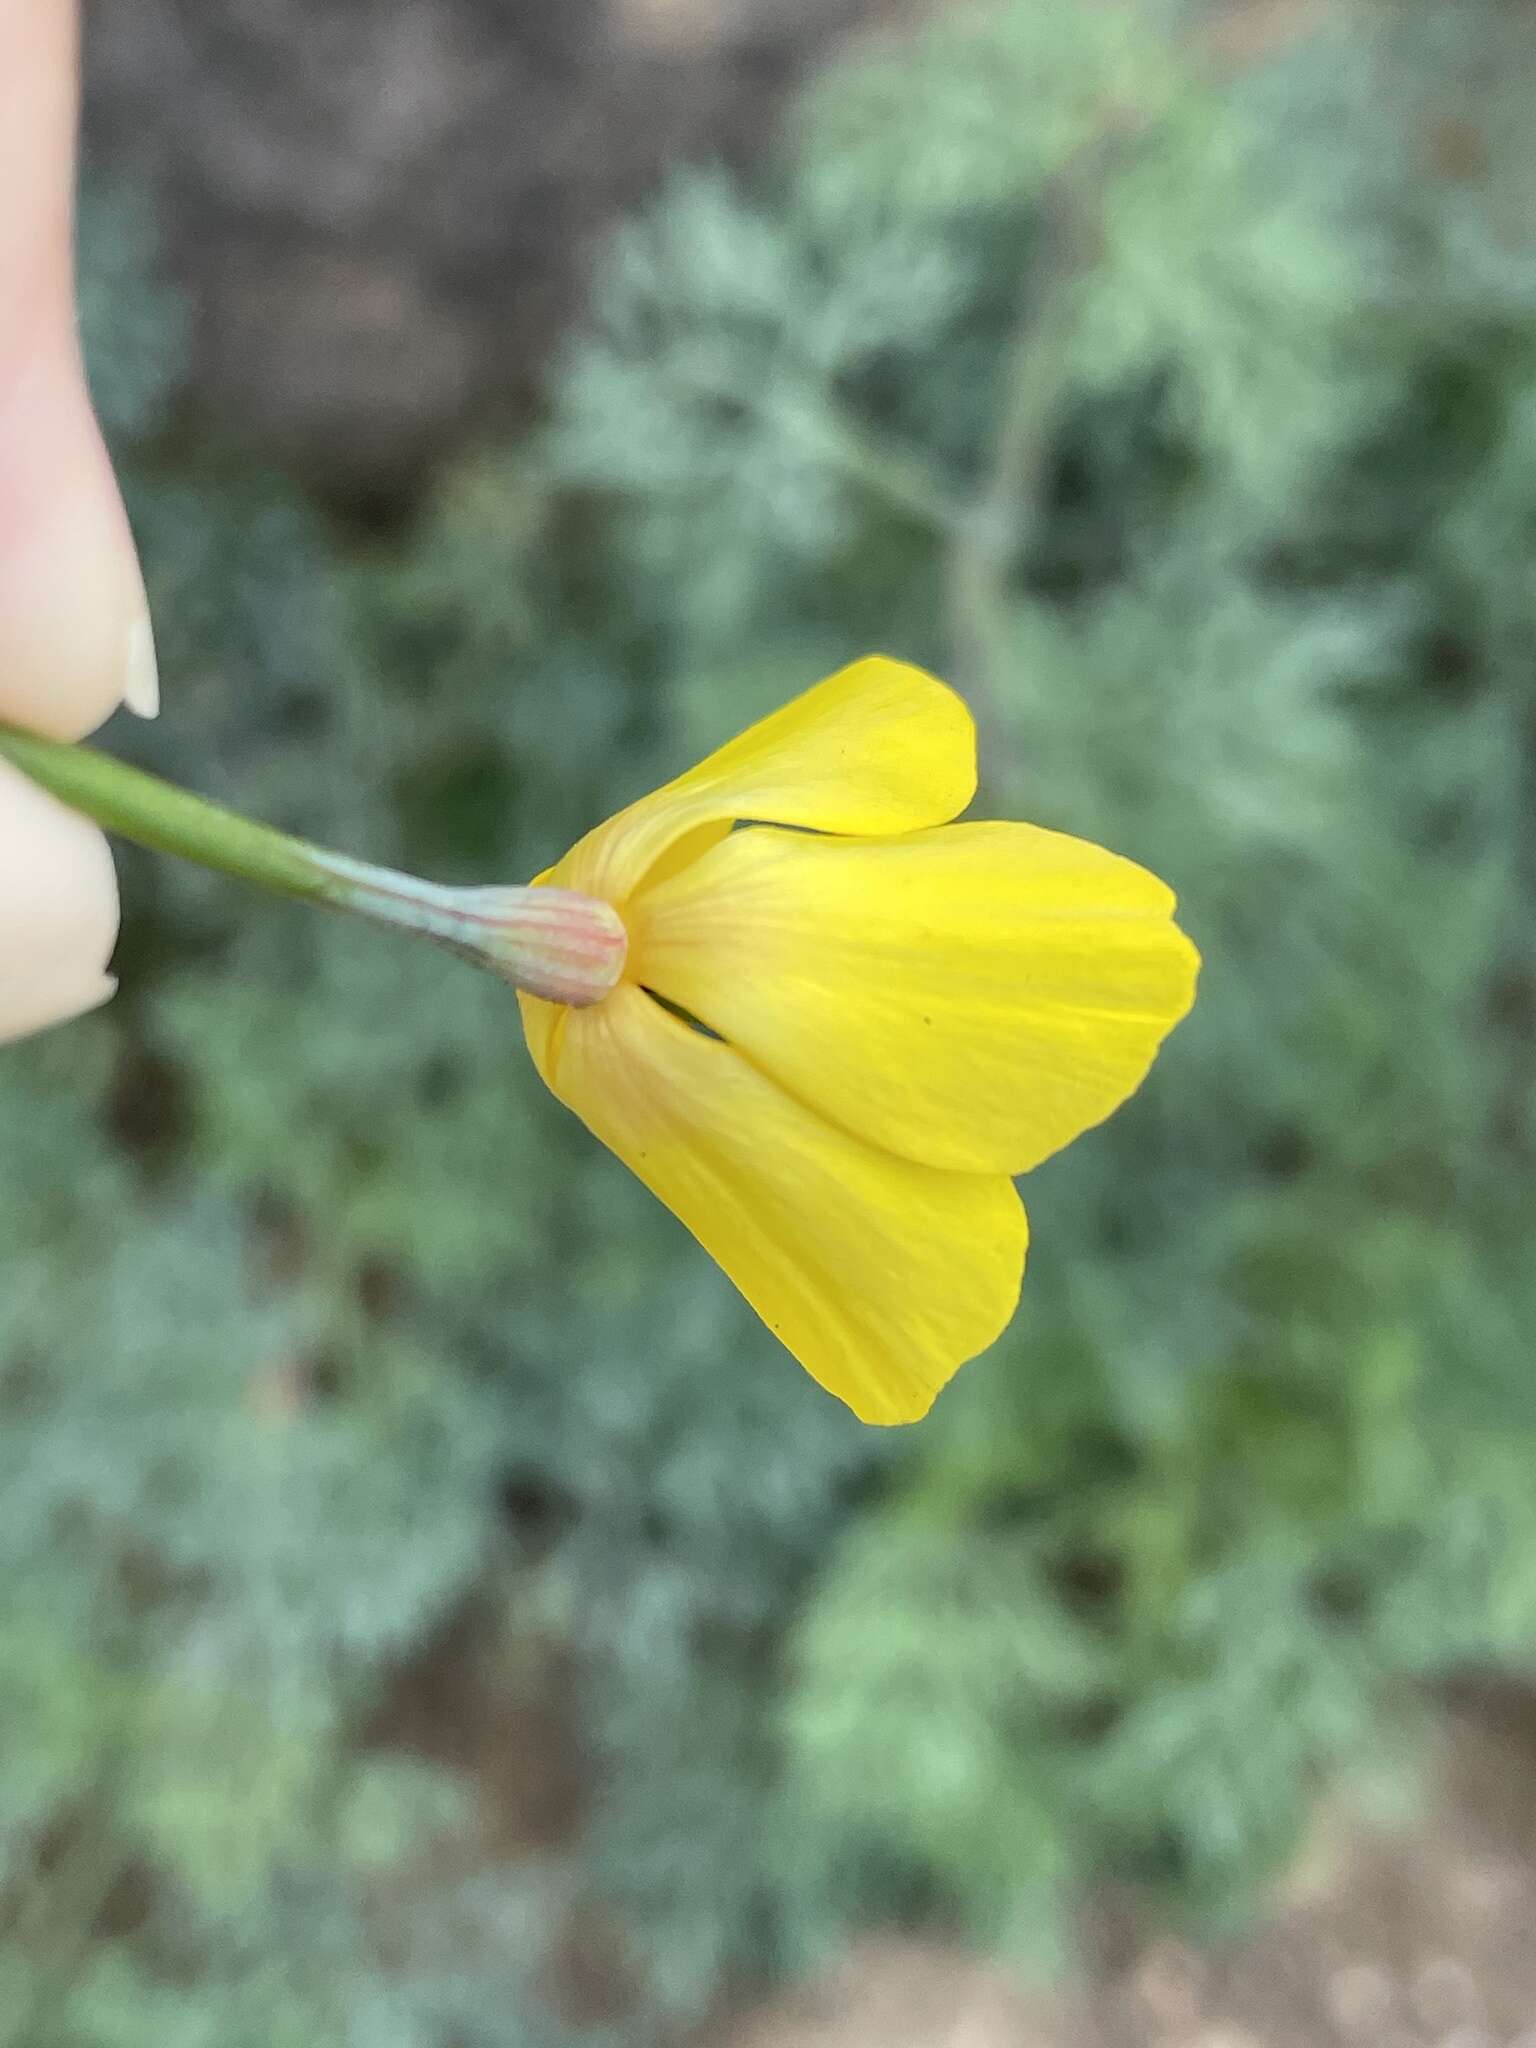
(57, 1000)
(90, 996)
(75, 639)
(58, 909)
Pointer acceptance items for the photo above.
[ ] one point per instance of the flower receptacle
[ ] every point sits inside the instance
(555, 943)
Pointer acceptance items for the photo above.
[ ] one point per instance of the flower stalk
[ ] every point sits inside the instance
(555, 943)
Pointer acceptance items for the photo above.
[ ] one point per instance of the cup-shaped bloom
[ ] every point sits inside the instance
(832, 1046)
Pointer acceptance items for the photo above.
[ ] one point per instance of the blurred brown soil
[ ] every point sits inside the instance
(1418, 1932)
(1419, 1937)
(384, 212)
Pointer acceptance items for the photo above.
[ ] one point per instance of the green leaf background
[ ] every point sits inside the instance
(1187, 419)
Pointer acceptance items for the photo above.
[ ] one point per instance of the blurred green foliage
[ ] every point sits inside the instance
(1186, 417)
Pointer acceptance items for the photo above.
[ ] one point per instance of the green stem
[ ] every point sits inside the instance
(156, 814)
(549, 942)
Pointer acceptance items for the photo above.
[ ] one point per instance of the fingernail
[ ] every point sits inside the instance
(141, 679)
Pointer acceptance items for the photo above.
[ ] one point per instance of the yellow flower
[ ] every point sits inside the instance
(899, 1013)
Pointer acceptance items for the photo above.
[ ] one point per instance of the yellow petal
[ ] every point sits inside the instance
(542, 1025)
(973, 997)
(881, 1276)
(878, 747)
